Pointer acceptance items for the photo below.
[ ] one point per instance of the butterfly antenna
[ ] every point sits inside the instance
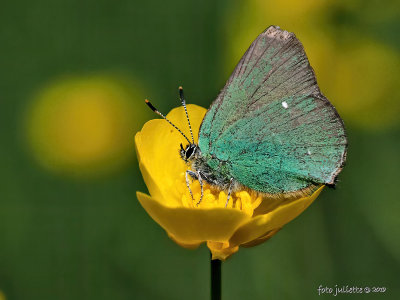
(182, 96)
(165, 118)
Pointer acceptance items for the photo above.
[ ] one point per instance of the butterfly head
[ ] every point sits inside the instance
(188, 153)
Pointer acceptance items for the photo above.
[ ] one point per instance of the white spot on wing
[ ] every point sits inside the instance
(284, 104)
(308, 152)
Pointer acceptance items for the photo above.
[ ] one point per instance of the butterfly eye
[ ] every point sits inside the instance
(189, 151)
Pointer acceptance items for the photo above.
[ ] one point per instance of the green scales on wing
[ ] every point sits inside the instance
(270, 128)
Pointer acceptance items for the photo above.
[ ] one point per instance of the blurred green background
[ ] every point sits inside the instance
(73, 76)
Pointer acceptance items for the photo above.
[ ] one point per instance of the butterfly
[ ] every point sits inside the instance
(270, 130)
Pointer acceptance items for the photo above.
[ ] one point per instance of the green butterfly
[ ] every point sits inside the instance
(270, 129)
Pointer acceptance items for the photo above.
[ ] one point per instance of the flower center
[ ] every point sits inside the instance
(214, 197)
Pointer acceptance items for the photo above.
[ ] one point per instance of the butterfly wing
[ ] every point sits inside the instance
(270, 126)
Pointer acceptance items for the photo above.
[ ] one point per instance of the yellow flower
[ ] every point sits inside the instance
(248, 219)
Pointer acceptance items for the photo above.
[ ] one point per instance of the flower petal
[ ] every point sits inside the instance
(260, 225)
(190, 246)
(164, 166)
(191, 226)
(148, 179)
(261, 240)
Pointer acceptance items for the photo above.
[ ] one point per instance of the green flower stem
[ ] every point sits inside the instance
(215, 279)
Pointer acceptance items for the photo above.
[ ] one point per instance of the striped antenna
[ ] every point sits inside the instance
(181, 95)
(165, 118)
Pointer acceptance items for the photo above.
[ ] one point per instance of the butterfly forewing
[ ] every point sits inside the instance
(270, 125)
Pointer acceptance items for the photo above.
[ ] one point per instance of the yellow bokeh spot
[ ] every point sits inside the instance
(364, 84)
(2, 296)
(84, 126)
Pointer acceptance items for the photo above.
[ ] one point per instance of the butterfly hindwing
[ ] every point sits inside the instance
(270, 125)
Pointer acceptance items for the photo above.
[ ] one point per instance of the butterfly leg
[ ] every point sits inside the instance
(201, 186)
(193, 174)
(229, 192)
